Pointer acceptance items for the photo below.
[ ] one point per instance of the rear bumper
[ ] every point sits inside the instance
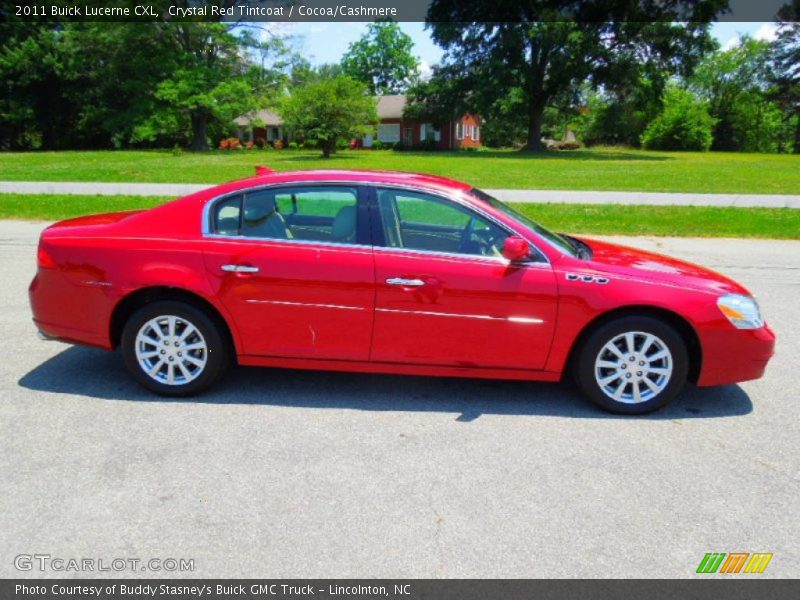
(65, 312)
(733, 355)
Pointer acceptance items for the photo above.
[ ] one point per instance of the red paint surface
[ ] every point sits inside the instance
(321, 306)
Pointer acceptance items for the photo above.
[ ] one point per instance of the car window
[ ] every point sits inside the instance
(420, 221)
(313, 213)
(227, 214)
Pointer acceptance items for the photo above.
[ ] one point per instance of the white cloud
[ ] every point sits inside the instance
(424, 69)
(766, 32)
(731, 43)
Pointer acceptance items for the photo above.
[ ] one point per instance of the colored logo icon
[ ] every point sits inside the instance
(735, 562)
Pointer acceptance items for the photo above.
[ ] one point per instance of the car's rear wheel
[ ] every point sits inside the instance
(632, 365)
(173, 348)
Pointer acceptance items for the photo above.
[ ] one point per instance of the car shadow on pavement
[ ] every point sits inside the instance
(81, 371)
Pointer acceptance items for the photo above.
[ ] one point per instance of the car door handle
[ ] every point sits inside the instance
(405, 282)
(239, 269)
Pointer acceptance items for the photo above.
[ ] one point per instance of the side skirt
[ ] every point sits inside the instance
(395, 368)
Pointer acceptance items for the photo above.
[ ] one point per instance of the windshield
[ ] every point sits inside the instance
(557, 241)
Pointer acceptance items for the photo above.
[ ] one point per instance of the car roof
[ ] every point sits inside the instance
(432, 182)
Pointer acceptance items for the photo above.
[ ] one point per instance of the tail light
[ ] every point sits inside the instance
(44, 260)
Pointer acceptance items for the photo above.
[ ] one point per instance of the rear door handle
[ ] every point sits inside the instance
(405, 282)
(239, 269)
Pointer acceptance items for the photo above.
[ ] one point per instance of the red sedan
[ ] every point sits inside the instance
(393, 273)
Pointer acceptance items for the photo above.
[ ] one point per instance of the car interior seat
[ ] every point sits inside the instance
(344, 225)
(262, 219)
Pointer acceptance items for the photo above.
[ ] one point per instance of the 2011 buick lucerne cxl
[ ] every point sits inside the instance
(393, 273)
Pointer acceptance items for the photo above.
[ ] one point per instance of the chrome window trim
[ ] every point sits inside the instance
(456, 198)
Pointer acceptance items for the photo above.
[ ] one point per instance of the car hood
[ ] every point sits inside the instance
(616, 259)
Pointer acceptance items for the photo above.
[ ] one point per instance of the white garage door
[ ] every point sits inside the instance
(389, 133)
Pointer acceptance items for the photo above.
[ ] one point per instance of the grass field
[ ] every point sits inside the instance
(588, 169)
(47, 207)
(683, 221)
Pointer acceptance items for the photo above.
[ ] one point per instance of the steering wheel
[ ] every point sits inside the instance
(467, 235)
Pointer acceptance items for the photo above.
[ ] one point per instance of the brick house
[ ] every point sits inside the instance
(393, 127)
(263, 124)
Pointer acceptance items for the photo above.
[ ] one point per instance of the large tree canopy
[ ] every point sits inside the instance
(787, 65)
(100, 85)
(382, 59)
(543, 49)
(734, 83)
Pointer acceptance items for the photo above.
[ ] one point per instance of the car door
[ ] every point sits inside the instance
(444, 293)
(293, 266)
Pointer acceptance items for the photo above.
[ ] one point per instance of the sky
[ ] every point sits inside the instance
(327, 42)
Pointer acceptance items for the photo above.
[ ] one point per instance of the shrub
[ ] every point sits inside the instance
(230, 143)
(429, 144)
(277, 144)
(261, 142)
(250, 145)
(377, 145)
(310, 145)
(293, 146)
(684, 124)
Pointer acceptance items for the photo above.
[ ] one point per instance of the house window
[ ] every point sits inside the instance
(459, 131)
(389, 133)
(476, 133)
(428, 132)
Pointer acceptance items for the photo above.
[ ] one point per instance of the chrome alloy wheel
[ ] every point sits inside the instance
(633, 367)
(171, 350)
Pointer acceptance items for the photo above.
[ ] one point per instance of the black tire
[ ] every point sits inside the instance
(590, 351)
(216, 352)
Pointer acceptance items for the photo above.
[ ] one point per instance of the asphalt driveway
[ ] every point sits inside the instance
(302, 474)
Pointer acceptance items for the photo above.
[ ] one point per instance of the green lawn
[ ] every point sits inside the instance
(52, 207)
(686, 221)
(590, 169)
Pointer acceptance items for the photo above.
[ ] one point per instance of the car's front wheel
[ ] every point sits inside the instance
(173, 348)
(632, 365)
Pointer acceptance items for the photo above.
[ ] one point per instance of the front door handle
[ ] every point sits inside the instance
(239, 269)
(405, 282)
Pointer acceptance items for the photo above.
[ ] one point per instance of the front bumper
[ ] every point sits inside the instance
(732, 355)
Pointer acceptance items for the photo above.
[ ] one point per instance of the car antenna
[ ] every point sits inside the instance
(262, 170)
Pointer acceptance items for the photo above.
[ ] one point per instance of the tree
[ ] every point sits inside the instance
(786, 57)
(734, 83)
(208, 83)
(329, 111)
(683, 125)
(100, 85)
(382, 59)
(543, 48)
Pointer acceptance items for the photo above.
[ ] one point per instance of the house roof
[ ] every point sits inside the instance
(267, 117)
(391, 107)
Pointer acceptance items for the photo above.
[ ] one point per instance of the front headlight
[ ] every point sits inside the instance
(741, 311)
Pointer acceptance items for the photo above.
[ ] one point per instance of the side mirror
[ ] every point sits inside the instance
(515, 248)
